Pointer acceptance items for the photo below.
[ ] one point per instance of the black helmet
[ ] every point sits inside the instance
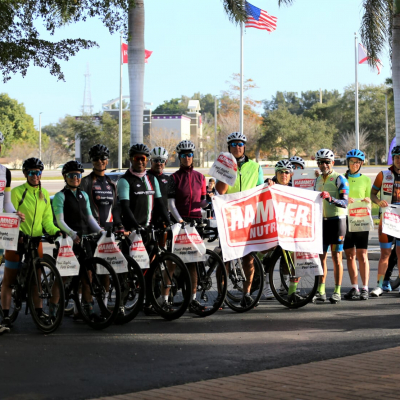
(32, 163)
(99, 150)
(72, 166)
(396, 151)
(139, 148)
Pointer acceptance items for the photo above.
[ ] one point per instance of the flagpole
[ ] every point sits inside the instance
(241, 77)
(356, 93)
(121, 64)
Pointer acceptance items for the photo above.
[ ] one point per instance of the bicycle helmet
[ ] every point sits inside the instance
(284, 165)
(325, 153)
(236, 136)
(159, 152)
(396, 151)
(355, 153)
(139, 148)
(72, 166)
(1, 138)
(32, 163)
(297, 160)
(99, 150)
(185, 145)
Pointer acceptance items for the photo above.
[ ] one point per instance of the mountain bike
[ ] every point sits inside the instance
(37, 279)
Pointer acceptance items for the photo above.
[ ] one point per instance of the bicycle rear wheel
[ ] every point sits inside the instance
(132, 292)
(104, 306)
(50, 283)
(392, 272)
(211, 284)
(235, 281)
(279, 277)
(169, 273)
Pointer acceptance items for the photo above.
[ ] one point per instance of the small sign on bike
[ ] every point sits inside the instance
(9, 231)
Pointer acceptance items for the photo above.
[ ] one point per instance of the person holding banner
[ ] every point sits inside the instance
(356, 243)
(296, 163)
(249, 175)
(387, 183)
(34, 202)
(186, 198)
(335, 192)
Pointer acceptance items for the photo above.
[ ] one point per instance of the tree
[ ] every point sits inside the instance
(348, 141)
(163, 138)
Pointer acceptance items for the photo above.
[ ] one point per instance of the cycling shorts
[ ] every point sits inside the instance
(12, 258)
(386, 241)
(333, 234)
(359, 240)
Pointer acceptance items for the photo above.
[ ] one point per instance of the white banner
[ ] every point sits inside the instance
(9, 231)
(303, 179)
(66, 262)
(224, 169)
(137, 250)
(360, 216)
(187, 244)
(246, 220)
(108, 250)
(307, 264)
(391, 220)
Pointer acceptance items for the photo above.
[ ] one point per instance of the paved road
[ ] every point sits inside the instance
(77, 362)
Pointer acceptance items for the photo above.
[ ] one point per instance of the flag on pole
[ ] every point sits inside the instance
(124, 50)
(259, 19)
(363, 58)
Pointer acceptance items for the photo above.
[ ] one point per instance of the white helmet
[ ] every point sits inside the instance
(159, 152)
(325, 153)
(297, 160)
(236, 136)
(185, 145)
(283, 165)
(1, 138)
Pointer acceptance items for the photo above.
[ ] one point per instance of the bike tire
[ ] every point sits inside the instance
(235, 289)
(180, 293)
(99, 316)
(49, 277)
(306, 288)
(211, 288)
(132, 292)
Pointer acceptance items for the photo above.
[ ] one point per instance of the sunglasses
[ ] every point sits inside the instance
(189, 155)
(241, 144)
(324, 162)
(284, 172)
(34, 173)
(94, 159)
(355, 162)
(72, 175)
(140, 159)
(158, 160)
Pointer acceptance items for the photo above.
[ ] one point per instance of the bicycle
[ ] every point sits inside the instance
(393, 270)
(99, 280)
(36, 280)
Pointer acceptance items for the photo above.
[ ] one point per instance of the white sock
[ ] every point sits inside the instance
(106, 300)
(365, 288)
(194, 296)
(80, 300)
(355, 287)
(166, 297)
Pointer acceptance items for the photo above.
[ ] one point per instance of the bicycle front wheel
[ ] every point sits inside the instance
(46, 292)
(101, 296)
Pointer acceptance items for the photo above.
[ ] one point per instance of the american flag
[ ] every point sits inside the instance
(259, 19)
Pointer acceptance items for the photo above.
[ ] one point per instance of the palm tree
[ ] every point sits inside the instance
(235, 10)
(379, 28)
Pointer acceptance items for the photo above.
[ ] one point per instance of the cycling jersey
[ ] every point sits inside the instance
(38, 214)
(249, 175)
(163, 184)
(388, 182)
(338, 188)
(5, 188)
(360, 186)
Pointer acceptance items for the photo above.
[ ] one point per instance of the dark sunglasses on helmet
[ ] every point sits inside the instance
(140, 158)
(72, 175)
(34, 173)
(102, 158)
(158, 160)
(240, 144)
(189, 155)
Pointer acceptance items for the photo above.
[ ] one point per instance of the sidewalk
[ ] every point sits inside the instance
(369, 375)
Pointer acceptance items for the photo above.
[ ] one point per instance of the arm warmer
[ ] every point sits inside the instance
(8, 205)
(64, 227)
(173, 210)
(343, 190)
(93, 225)
(128, 215)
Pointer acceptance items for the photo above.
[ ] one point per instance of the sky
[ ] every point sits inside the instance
(197, 49)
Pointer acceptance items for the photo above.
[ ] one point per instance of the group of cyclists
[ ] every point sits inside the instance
(148, 196)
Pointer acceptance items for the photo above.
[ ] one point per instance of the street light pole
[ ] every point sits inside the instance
(215, 127)
(40, 136)
(387, 129)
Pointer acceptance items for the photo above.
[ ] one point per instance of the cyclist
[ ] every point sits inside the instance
(335, 192)
(101, 190)
(356, 243)
(386, 183)
(33, 201)
(249, 175)
(186, 197)
(74, 217)
(296, 162)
